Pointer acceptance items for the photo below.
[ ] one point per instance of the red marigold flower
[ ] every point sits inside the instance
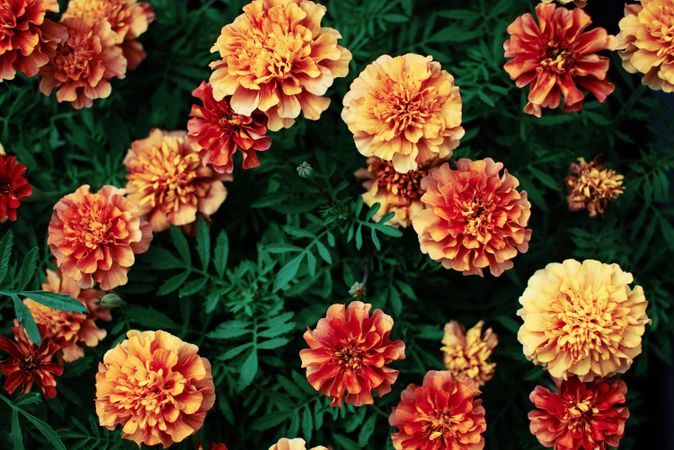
(348, 354)
(84, 64)
(30, 363)
(27, 38)
(13, 186)
(556, 54)
(443, 413)
(579, 416)
(217, 132)
(94, 236)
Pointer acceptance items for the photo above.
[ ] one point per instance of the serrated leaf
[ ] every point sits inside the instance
(173, 283)
(287, 272)
(27, 269)
(55, 300)
(373, 210)
(273, 343)
(180, 242)
(221, 253)
(26, 319)
(307, 423)
(235, 351)
(203, 243)
(248, 370)
(229, 330)
(366, 431)
(193, 287)
(324, 252)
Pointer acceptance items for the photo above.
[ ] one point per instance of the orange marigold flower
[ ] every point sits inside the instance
(579, 416)
(348, 354)
(156, 386)
(582, 319)
(469, 354)
(94, 236)
(30, 363)
(217, 132)
(168, 182)
(404, 109)
(72, 328)
(84, 64)
(557, 54)
(591, 186)
(277, 58)
(293, 444)
(473, 218)
(443, 413)
(13, 186)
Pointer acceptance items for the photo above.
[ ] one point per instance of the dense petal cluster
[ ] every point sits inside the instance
(582, 319)
(156, 386)
(473, 217)
(277, 58)
(555, 55)
(13, 186)
(94, 236)
(349, 352)
(406, 110)
(579, 416)
(469, 354)
(443, 413)
(168, 182)
(294, 444)
(591, 186)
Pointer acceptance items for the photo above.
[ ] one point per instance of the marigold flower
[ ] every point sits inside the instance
(406, 110)
(72, 328)
(156, 386)
(30, 363)
(277, 58)
(94, 236)
(591, 186)
(348, 354)
(473, 218)
(582, 319)
(555, 56)
(168, 182)
(217, 132)
(468, 354)
(442, 413)
(293, 444)
(13, 186)
(579, 416)
(84, 64)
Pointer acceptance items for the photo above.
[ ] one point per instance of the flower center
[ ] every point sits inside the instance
(442, 424)
(406, 185)
(600, 183)
(350, 356)
(74, 62)
(5, 185)
(477, 215)
(401, 107)
(557, 59)
(579, 413)
(660, 28)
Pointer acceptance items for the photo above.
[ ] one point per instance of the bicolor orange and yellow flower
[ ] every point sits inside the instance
(468, 355)
(591, 186)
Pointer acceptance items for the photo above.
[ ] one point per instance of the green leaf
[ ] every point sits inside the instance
(27, 269)
(46, 431)
(193, 287)
(16, 435)
(235, 351)
(203, 242)
(273, 343)
(6, 244)
(287, 272)
(323, 252)
(307, 423)
(366, 431)
(55, 300)
(173, 283)
(180, 242)
(373, 211)
(229, 330)
(26, 319)
(248, 370)
(150, 318)
(221, 253)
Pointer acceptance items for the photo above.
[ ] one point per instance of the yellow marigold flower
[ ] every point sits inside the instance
(293, 444)
(156, 386)
(404, 109)
(591, 186)
(582, 319)
(276, 57)
(468, 354)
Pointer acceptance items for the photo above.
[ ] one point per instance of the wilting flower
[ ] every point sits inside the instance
(348, 354)
(579, 416)
(27, 38)
(555, 55)
(94, 236)
(217, 132)
(30, 363)
(168, 182)
(72, 328)
(443, 413)
(578, 3)
(156, 386)
(84, 64)
(13, 186)
(473, 218)
(591, 186)
(293, 444)
(469, 354)
(406, 110)
(582, 319)
(394, 191)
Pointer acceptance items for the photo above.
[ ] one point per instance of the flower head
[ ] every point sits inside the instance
(72, 328)
(348, 354)
(406, 110)
(473, 217)
(94, 236)
(217, 132)
(468, 354)
(582, 319)
(591, 186)
(13, 186)
(168, 182)
(443, 413)
(579, 416)
(556, 55)
(30, 363)
(293, 444)
(156, 386)
(277, 58)
(84, 64)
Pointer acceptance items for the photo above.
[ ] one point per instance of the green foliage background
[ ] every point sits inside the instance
(282, 248)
